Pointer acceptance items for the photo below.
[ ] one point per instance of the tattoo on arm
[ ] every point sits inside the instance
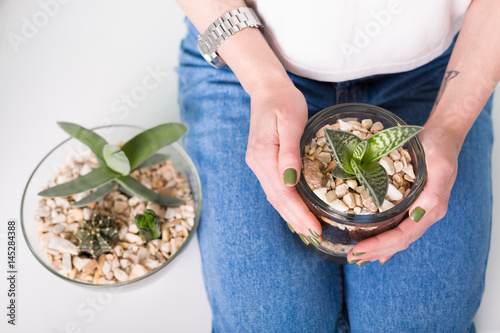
(449, 75)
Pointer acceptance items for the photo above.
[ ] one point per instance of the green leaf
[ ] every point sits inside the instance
(143, 145)
(149, 225)
(342, 145)
(134, 186)
(360, 151)
(91, 139)
(385, 142)
(374, 179)
(116, 159)
(96, 195)
(94, 178)
(153, 160)
(339, 173)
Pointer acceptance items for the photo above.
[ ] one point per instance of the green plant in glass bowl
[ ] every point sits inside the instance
(358, 158)
(354, 178)
(82, 227)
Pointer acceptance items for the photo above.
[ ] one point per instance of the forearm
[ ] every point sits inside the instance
(472, 73)
(247, 52)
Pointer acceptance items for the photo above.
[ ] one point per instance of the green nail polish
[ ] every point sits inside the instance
(358, 254)
(417, 214)
(314, 241)
(315, 235)
(290, 227)
(354, 261)
(290, 176)
(363, 263)
(304, 239)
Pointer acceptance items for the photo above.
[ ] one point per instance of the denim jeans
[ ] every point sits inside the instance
(260, 279)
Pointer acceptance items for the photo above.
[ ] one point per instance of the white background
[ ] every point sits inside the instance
(76, 66)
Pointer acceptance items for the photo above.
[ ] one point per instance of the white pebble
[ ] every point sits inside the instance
(124, 263)
(43, 211)
(345, 126)
(388, 165)
(349, 200)
(106, 267)
(66, 264)
(151, 264)
(395, 155)
(393, 193)
(352, 183)
(341, 190)
(386, 205)
(339, 205)
(120, 275)
(63, 246)
(321, 193)
(139, 270)
(79, 263)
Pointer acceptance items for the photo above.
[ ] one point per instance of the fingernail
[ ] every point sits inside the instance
(304, 239)
(314, 241)
(358, 254)
(290, 176)
(417, 214)
(353, 261)
(363, 263)
(315, 235)
(290, 227)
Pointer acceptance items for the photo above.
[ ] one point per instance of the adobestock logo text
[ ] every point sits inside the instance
(30, 27)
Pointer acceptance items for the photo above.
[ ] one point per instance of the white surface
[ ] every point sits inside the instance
(76, 68)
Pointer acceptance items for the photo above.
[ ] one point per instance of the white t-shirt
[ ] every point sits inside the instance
(339, 40)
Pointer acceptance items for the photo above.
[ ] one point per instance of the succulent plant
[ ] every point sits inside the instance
(149, 225)
(117, 163)
(358, 158)
(98, 235)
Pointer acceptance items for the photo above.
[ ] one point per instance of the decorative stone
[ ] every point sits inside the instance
(63, 246)
(388, 165)
(79, 263)
(393, 193)
(120, 275)
(341, 190)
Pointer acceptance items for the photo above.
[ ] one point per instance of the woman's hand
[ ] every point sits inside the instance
(441, 155)
(279, 115)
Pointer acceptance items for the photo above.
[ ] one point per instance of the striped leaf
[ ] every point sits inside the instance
(385, 142)
(373, 178)
(342, 145)
(360, 151)
(341, 174)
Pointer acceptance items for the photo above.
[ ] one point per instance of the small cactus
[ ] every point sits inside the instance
(98, 235)
(149, 225)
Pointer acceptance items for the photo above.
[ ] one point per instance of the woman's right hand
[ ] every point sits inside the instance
(279, 114)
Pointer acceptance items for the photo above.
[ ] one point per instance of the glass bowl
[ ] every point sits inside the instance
(50, 165)
(341, 231)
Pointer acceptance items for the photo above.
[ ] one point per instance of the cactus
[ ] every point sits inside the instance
(98, 235)
(149, 225)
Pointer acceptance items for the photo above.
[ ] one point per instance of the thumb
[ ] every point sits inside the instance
(290, 131)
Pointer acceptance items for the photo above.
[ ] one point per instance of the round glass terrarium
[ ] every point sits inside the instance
(341, 231)
(50, 165)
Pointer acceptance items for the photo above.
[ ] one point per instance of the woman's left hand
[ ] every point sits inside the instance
(441, 154)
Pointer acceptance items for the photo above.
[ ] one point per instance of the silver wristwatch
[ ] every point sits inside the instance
(222, 28)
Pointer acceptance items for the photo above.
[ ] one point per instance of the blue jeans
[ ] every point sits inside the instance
(260, 279)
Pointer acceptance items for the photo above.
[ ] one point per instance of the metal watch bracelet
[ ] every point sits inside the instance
(221, 29)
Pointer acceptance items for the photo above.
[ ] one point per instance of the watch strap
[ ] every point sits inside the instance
(223, 28)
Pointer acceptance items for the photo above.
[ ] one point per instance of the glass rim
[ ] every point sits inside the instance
(352, 219)
(179, 149)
